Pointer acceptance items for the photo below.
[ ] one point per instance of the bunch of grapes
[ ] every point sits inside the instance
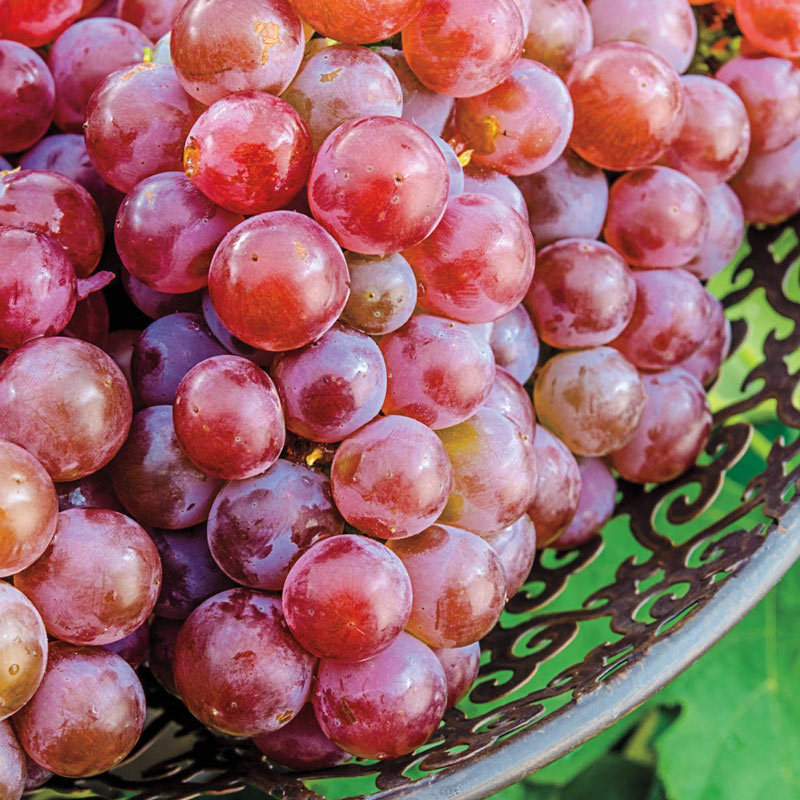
(303, 493)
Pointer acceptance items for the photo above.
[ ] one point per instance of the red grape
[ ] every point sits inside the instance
(237, 668)
(37, 776)
(558, 32)
(35, 23)
(515, 344)
(233, 345)
(153, 17)
(12, 764)
(516, 547)
(278, 281)
(509, 397)
(392, 478)
(92, 491)
(134, 647)
(705, 362)
(460, 665)
(378, 185)
(590, 399)
(155, 304)
(167, 231)
(67, 403)
(772, 25)
(27, 97)
(383, 707)
(582, 295)
(358, 21)
(87, 714)
(486, 181)
(439, 372)
(259, 527)
(628, 106)
(161, 651)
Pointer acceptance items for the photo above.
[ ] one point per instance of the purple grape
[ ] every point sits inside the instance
(155, 304)
(134, 647)
(161, 651)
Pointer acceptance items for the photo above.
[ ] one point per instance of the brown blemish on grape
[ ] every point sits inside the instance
(270, 34)
(300, 251)
(327, 77)
(138, 68)
(150, 198)
(284, 717)
(345, 713)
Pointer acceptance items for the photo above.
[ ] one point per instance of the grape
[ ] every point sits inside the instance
(23, 651)
(464, 48)
(165, 352)
(657, 217)
(97, 581)
(522, 125)
(278, 281)
(120, 347)
(515, 344)
(398, 190)
(670, 320)
(673, 429)
(250, 152)
(36, 776)
(219, 48)
(301, 744)
(715, 137)
(558, 32)
(228, 418)
(705, 362)
(582, 295)
(383, 707)
(358, 21)
(12, 764)
(595, 507)
(190, 574)
(237, 668)
(90, 320)
(494, 472)
(516, 547)
(458, 583)
(35, 23)
(332, 387)
(772, 25)
(153, 17)
(383, 293)
(460, 665)
(155, 304)
(155, 481)
(455, 171)
(770, 90)
(83, 56)
(590, 399)
(86, 716)
(67, 403)
(4, 165)
(628, 106)
(233, 345)
(558, 487)
(259, 527)
(27, 97)
(725, 233)
(509, 397)
(341, 83)
(478, 180)
(768, 185)
(134, 647)
(569, 199)
(92, 491)
(136, 124)
(439, 372)
(37, 286)
(392, 478)
(58, 206)
(347, 598)
(161, 651)
(167, 231)
(422, 106)
(161, 52)
(98, 8)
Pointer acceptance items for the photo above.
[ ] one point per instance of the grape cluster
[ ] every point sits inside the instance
(388, 357)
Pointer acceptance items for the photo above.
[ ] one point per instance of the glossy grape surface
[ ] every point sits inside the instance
(75, 416)
(515, 344)
(12, 764)
(237, 668)
(772, 25)
(259, 527)
(383, 707)
(278, 281)
(358, 21)
(558, 32)
(134, 647)
(706, 361)
(233, 345)
(153, 478)
(36, 23)
(155, 304)
(509, 397)
(153, 18)
(595, 507)
(590, 399)
(460, 665)
(392, 478)
(516, 547)
(92, 491)
(486, 181)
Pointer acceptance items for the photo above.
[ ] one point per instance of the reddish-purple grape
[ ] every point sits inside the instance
(92, 491)
(478, 180)
(558, 32)
(706, 361)
(515, 344)
(161, 651)
(134, 647)
(233, 345)
(358, 21)
(508, 396)
(155, 304)
(516, 547)
(154, 18)
(36, 776)
(460, 665)
(12, 764)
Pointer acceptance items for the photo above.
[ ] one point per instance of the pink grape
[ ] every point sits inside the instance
(582, 294)
(458, 583)
(558, 487)
(155, 304)
(515, 344)
(657, 217)
(386, 706)
(455, 171)
(558, 32)
(595, 507)
(516, 547)
(772, 25)
(154, 18)
(477, 264)
(134, 647)
(87, 714)
(163, 634)
(233, 345)
(278, 281)
(332, 387)
(706, 361)
(591, 400)
(439, 372)
(27, 97)
(672, 432)
(153, 478)
(258, 528)
(36, 23)
(392, 478)
(92, 491)
(567, 200)
(67, 403)
(358, 21)
(218, 49)
(167, 231)
(670, 320)
(237, 667)
(398, 191)
(12, 764)
(509, 397)
(460, 665)
(478, 180)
